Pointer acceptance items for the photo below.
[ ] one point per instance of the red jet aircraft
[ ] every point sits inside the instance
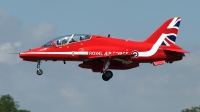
(101, 53)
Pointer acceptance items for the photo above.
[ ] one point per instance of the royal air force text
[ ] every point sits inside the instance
(99, 53)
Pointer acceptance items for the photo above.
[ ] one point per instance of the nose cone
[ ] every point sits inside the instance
(29, 55)
(34, 54)
(26, 56)
(22, 55)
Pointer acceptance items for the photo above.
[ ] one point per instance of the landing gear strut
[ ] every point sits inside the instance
(107, 75)
(39, 71)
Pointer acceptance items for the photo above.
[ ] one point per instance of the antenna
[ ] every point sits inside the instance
(14, 53)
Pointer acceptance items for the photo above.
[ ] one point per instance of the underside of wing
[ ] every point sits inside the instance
(117, 64)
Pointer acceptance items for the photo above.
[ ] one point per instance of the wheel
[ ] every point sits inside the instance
(39, 71)
(107, 75)
(105, 78)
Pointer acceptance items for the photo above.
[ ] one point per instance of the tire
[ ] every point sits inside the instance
(107, 75)
(39, 71)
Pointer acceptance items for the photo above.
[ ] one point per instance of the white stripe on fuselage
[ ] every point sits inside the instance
(69, 53)
(154, 47)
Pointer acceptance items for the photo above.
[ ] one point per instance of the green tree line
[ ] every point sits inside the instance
(193, 109)
(7, 104)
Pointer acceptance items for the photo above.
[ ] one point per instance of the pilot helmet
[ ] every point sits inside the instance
(82, 38)
(58, 42)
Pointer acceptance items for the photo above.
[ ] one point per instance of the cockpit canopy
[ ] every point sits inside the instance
(63, 40)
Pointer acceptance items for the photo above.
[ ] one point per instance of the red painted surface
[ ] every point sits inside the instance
(122, 54)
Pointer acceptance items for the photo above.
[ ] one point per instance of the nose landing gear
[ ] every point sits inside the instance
(39, 71)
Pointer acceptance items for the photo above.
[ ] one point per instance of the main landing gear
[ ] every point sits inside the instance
(39, 71)
(107, 75)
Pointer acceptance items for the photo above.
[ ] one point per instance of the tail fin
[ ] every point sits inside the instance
(167, 33)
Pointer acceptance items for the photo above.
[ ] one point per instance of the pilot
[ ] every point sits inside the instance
(82, 38)
(87, 37)
(58, 42)
(64, 41)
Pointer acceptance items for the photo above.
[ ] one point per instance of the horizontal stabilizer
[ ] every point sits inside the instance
(176, 50)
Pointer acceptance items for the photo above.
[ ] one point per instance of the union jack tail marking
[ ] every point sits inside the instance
(173, 31)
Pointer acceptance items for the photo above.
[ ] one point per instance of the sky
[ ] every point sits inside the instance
(29, 24)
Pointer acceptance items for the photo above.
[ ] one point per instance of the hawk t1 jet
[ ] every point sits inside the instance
(103, 53)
